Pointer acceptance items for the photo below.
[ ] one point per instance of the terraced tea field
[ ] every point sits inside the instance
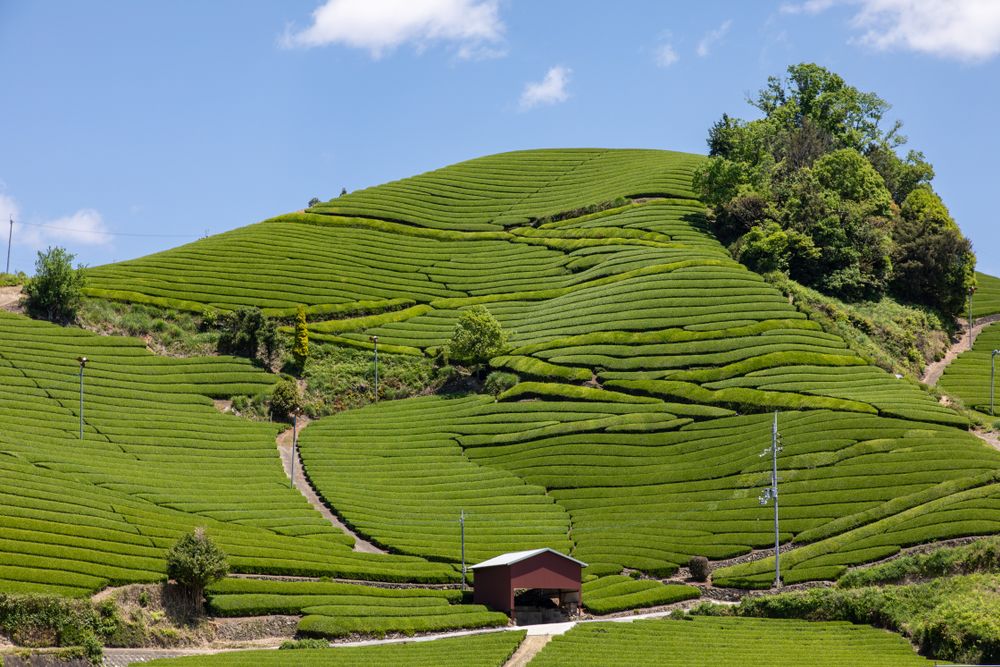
(156, 460)
(986, 300)
(650, 364)
(968, 377)
(727, 642)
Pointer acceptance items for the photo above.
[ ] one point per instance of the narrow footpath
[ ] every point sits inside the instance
(290, 462)
(934, 370)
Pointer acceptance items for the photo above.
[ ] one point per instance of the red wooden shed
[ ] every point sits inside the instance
(497, 579)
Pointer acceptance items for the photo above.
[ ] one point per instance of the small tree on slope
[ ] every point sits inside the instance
(478, 337)
(194, 562)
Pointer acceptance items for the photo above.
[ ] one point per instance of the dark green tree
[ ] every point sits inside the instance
(195, 561)
(247, 332)
(56, 290)
(286, 398)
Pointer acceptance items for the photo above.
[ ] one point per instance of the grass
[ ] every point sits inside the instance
(979, 556)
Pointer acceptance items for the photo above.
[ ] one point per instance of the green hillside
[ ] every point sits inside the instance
(650, 363)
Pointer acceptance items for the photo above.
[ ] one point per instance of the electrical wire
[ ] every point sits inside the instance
(101, 233)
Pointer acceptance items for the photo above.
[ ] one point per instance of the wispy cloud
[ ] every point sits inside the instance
(665, 55)
(84, 227)
(711, 38)
(474, 27)
(550, 90)
(966, 30)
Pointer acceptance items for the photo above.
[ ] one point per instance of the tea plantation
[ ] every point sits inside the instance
(968, 377)
(650, 365)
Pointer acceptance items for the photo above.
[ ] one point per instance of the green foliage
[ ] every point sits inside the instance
(699, 567)
(286, 398)
(11, 279)
(979, 556)
(172, 332)
(55, 291)
(498, 382)
(814, 189)
(246, 332)
(955, 618)
(304, 643)
(478, 336)
(607, 595)
(315, 201)
(38, 621)
(300, 350)
(195, 561)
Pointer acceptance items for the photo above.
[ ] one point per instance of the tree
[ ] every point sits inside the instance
(477, 338)
(56, 290)
(314, 201)
(933, 262)
(300, 350)
(285, 398)
(246, 331)
(195, 561)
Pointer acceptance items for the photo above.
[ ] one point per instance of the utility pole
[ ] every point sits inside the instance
(972, 290)
(295, 438)
(374, 339)
(771, 493)
(461, 521)
(83, 362)
(993, 372)
(10, 236)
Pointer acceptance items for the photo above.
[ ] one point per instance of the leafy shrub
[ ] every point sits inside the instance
(498, 382)
(300, 351)
(699, 568)
(56, 290)
(304, 643)
(477, 337)
(195, 561)
(246, 332)
(286, 399)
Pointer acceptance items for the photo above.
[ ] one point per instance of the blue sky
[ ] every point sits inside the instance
(131, 127)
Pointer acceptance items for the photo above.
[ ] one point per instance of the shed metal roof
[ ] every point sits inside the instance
(518, 556)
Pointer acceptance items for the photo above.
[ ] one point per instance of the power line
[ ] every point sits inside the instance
(100, 233)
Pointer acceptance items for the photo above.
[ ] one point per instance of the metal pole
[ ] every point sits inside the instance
(993, 370)
(374, 339)
(10, 235)
(295, 437)
(971, 292)
(83, 362)
(774, 493)
(461, 521)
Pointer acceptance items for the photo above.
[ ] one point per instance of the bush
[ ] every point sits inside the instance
(194, 562)
(498, 382)
(304, 643)
(301, 348)
(56, 290)
(246, 332)
(699, 568)
(478, 336)
(285, 399)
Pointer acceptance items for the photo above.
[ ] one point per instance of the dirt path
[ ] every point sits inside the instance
(933, 371)
(528, 649)
(9, 296)
(988, 437)
(290, 464)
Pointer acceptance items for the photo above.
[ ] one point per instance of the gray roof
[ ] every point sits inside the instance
(518, 556)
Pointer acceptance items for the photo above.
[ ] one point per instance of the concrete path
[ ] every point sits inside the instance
(934, 371)
(9, 296)
(290, 462)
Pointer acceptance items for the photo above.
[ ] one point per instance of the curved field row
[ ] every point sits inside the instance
(512, 188)
(483, 650)
(156, 460)
(727, 642)
(646, 485)
(986, 300)
(968, 377)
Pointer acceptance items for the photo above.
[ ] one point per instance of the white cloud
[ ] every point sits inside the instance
(85, 227)
(550, 90)
(379, 26)
(665, 55)
(711, 38)
(961, 29)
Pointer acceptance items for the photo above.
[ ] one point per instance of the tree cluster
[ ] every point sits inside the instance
(247, 332)
(816, 188)
(55, 291)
